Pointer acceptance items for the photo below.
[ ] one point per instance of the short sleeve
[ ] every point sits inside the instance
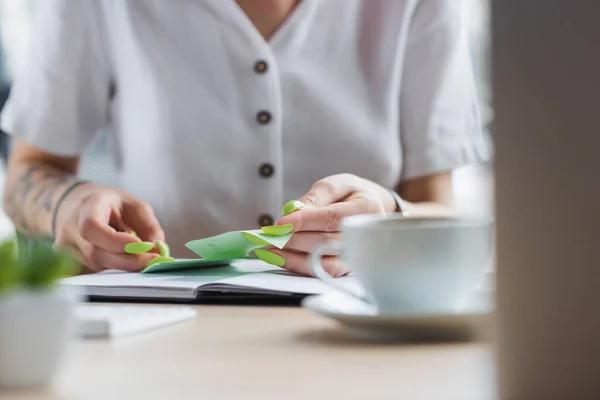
(440, 119)
(59, 98)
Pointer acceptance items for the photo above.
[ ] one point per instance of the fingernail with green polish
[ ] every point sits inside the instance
(292, 206)
(163, 248)
(270, 257)
(255, 239)
(277, 230)
(133, 233)
(138, 247)
(159, 259)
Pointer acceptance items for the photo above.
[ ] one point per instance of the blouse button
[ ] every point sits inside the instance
(264, 117)
(265, 220)
(266, 170)
(260, 67)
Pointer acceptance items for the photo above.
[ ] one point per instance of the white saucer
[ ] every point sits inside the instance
(363, 322)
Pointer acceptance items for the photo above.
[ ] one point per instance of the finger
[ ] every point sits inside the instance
(117, 222)
(99, 259)
(329, 190)
(140, 217)
(327, 218)
(94, 227)
(305, 242)
(299, 263)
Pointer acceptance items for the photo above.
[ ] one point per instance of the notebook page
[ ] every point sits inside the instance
(185, 279)
(244, 274)
(283, 281)
(114, 278)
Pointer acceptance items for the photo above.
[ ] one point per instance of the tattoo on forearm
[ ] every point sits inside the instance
(39, 195)
(27, 181)
(48, 204)
(30, 198)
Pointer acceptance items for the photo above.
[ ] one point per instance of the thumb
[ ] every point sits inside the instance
(322, 211)
(329, 190)
(324, 219)
(140, 217)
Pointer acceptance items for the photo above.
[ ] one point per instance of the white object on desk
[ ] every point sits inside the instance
(364, 322)
(101, 321)
(34, 329)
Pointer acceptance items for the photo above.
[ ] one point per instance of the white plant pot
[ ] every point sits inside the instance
(34, 329)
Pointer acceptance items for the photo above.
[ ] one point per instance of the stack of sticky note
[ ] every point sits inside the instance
(224, 248)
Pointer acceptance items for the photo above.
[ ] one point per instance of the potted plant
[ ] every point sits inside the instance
(36, 314)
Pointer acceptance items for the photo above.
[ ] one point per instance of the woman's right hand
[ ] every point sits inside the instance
(97, 222)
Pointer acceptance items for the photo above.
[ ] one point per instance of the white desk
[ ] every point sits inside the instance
(267, 353)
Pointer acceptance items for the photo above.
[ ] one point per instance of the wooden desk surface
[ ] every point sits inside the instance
(266, 353)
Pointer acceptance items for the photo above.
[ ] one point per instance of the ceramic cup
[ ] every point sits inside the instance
(412, 265)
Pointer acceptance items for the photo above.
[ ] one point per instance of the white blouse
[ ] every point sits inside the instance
(216, 128)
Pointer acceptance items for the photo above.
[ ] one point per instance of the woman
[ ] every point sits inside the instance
(222, 110)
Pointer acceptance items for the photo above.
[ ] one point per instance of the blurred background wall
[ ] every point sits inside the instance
(473, 185)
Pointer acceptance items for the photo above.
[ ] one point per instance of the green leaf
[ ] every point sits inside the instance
(43, 265)
(33, 262)
(9, 270)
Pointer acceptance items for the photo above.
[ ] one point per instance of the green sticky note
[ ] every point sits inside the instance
(220, 250)
(255, 239)
(236, 244)
(277, 241)
(226, 245)
(187, 264)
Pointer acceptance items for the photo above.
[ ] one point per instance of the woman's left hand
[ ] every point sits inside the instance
(327, 202)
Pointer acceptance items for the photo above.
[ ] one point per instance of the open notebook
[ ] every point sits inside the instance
(243, 277)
